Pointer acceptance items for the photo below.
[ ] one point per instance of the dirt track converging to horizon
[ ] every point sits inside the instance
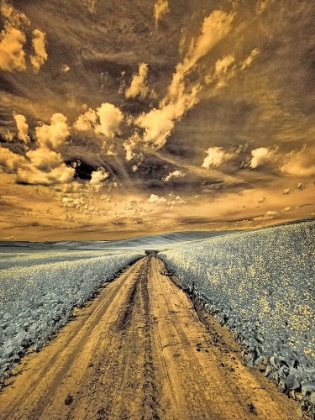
(139, 351)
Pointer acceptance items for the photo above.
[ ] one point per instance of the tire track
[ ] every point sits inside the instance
(139, 351)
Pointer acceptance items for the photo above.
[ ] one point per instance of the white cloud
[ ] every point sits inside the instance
(12, 55)
(262, 200)
(97, 178)
(286, 191)
(159, 122)
(130, 144)
(216, 156)
(87, 121)
(260, 156)
(44, 159)
(105, 120)
(46, 167)
(9, 161)
(172, 175)
(222, 65)
(39, 46)
(161, 7)
(138, 84)
(12, 38)
(22, 127)
(156, 199)
(55, 134)
(214, 28)
(110, 119)
(300, 163)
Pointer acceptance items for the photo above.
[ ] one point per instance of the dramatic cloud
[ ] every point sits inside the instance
(46, 167)
(172, 175)
(214, 28)
(12, 39)
(9, 161)
(87, 121)
(159, 123)
(155, 199)
(12, 55)
(300, 163)
(39, 46)
(97, 178)
(160, 9)
(138, 84)
(260, 156)
(54, 135)
(216, 156)
(110, 119)
(22, 127)
(105, 120)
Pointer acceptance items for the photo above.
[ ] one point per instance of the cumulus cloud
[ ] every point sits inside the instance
(155, 199)
(12, 54)
(159, 122)
(45, 167)
(44, 159)
(172, 175)
(286, 191)
(97, 178)
(13, 16)
(39, 46)
(130, 145)
(105, 120)
(110, 118)
(161, 7)
(55, 134)
(260, 156)
(12, 38)
(215, 157)
(30, 175)
(138, 84)
(9, 161)
(22, 127)
(87, 121)
(299, 163)
(214, 28)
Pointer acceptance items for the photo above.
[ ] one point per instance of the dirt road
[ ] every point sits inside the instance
(139, 351)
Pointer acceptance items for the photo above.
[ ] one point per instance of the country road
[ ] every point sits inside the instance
(140, 351)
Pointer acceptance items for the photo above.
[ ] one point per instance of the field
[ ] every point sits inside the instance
(261, 284)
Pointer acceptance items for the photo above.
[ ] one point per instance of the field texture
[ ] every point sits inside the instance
(262, 285)
(38, 291)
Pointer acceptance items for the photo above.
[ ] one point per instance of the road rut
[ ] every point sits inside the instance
(139, 351)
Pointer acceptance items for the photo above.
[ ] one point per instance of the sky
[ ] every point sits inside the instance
(127, 118)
